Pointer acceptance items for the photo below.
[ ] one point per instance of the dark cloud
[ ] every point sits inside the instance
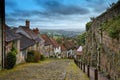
(96, 1)
(21, 13)
(55, 7)
(100, 9)
(52, 13)
(97, 6)
(11, 19)
(10, 3)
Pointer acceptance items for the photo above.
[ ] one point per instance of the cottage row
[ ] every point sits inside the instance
(26, 39)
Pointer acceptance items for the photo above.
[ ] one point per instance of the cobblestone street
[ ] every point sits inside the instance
(47, 70)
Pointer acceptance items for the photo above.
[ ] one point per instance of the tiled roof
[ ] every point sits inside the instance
(54, 42)
(63, 48)
(79, 53)
(47, 39)
(25, 42)
(69, 45)
(10, 35)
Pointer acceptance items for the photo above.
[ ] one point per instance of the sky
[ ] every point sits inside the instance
(54, 14)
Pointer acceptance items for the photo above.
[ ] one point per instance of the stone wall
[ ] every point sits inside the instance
(98, 41)
(109, 14)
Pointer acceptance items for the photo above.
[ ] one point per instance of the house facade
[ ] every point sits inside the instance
(79, 53)
(29, 41)
(48, 47)
(26, 45)
(26, 31)
(63, 51)
(70, 47)
(56, 48)
(42, 42)
(12, 39)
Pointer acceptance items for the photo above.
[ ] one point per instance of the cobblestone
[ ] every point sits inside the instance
(53, 70)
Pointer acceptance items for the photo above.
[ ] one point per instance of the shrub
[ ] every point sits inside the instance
(42, 57)
(11, 59)
(88, 26)
(114, 32)
(14, 49)
(112, 26)
(36, 56)
(30, 57)
(33, 56)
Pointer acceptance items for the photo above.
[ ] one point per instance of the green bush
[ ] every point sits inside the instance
(14, 49)
(112, 26)
(80, 39)
(114, 32)
(11, 59)
(33, 56)
(88, 26)
(42, 57)
(30, 57)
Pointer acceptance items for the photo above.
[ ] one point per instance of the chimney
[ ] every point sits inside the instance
(27, 23)
(36, 30)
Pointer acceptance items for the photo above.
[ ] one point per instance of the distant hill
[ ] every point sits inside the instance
(60, 32)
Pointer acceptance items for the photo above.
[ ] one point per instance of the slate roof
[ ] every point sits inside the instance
(36, 31)
(63, 48)
(37, 39)
(25, 42)
(47, 39)
(10, 35)
(54, 43)
(33, 35)
(29, 32)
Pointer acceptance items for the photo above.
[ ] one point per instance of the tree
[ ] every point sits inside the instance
(80, 39)
(59, 40)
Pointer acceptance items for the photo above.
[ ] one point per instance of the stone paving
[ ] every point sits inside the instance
(52, 70)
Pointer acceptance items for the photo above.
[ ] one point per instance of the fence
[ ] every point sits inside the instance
(92, 73)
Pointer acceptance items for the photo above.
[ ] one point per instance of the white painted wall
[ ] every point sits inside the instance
(70, 53)
(57, 52)
(21, 56)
